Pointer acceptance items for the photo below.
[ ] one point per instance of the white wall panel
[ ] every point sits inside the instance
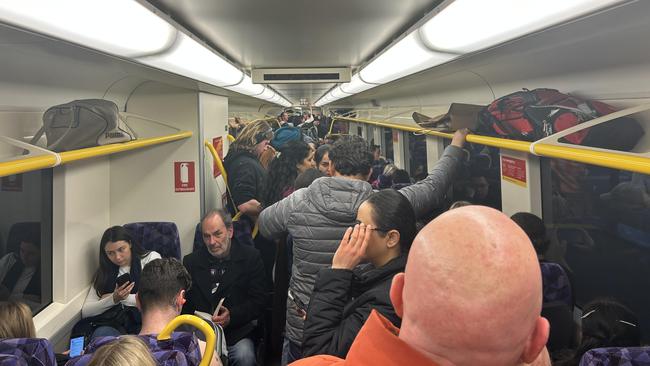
(214, 122)
(142, 181)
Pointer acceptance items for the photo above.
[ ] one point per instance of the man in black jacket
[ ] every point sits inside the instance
(226, 269)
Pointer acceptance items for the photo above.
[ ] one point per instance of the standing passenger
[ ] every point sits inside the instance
(318, 216)
(323, 159)
(471, 295)
(294, 158)
(345, 294)
(108, 303)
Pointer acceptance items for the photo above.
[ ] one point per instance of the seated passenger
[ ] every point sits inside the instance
(16, 320)
(109, 305)
(318, 216)
(161, 296)
(534, 227)
(323, 158)
(20, 272)
(471, 295)
(224, 268)
(345, 294)
(401, 179)
(605, 323)
(378, 163)
(126, 350)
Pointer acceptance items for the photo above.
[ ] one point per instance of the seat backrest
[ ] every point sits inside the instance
(35, 351)
(198, 238)
(185, 343)
(159, 236)
(555, 284)
(613, 356)
(11, 360)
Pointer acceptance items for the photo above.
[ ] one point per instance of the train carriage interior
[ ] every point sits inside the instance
(183, 79)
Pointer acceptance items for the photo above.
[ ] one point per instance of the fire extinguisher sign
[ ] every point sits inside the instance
(184, 176)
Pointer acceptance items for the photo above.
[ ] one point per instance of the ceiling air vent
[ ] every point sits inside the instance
(301, 76)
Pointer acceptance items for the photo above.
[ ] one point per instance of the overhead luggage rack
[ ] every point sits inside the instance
(549, 147)
(43, 159)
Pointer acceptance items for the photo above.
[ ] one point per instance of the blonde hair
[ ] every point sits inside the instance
(126, 350)
(251, 135)
(16, 320)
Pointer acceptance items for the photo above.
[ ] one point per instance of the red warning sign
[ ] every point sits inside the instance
(184, 176)
(513, 170)
(217, 143)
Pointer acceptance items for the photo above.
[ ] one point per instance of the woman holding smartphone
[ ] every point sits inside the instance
(345, 294)
(110, 302)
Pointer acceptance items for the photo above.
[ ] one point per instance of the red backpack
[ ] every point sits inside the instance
(530, 115)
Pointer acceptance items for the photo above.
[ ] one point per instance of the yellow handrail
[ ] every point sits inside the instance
(614, 160)
(49, 161)
(222, 169)
(231, 138)
(217, 160)
(195, 321)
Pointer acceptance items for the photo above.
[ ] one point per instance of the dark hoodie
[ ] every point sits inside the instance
(246, 178)
(341, 303)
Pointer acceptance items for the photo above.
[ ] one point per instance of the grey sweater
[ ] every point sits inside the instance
(317, 216)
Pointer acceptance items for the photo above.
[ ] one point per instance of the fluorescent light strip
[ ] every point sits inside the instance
(247, 87)
(406, 57)
(190, 58)
(120, 27)
(463, 25)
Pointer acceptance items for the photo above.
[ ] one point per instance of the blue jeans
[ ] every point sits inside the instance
(290, 352)
(105, 331)
(242, 353)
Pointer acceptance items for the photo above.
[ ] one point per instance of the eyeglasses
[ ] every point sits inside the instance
(620, 321)
(357, 222)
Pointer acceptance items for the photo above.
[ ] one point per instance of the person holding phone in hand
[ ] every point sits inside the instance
(345, 294)
(110, 303)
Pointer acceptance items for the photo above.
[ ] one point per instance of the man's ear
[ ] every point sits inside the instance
(537, 341)
(396, 293)
(138, 304)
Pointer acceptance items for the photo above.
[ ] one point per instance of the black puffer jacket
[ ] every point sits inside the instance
(341, 303)
(246, 178)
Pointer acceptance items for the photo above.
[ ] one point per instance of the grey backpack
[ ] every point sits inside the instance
(83, 123)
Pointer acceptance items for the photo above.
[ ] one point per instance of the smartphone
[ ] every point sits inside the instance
(123, 279)
(299, 304)
(216, 310)
(76, 346)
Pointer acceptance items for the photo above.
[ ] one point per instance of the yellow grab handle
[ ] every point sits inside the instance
(195, 321)
(231, 138)
(217, 160)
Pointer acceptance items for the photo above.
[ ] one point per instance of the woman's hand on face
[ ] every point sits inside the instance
(122, 292)
(352, 248)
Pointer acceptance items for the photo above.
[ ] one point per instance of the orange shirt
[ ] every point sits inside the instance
(377, 344)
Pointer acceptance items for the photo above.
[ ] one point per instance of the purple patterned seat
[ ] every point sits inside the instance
(617, 356)
(185, 343)
(159, 236)
(555, 284)
(11, 360)
(35, 351)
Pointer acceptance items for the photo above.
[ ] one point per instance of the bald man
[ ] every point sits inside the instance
(471, 295)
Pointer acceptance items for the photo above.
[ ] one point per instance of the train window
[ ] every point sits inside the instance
(600, 234)
(479, 181)
(417, 156)
(388, 136)
(26, 238)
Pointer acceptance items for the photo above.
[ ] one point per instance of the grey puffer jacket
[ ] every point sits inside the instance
(317, 217)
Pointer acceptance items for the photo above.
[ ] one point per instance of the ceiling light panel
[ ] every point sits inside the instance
(406, 57)
(356, 85)
(192, 59)
(120, 27)
(247, 87)
(470, 25)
